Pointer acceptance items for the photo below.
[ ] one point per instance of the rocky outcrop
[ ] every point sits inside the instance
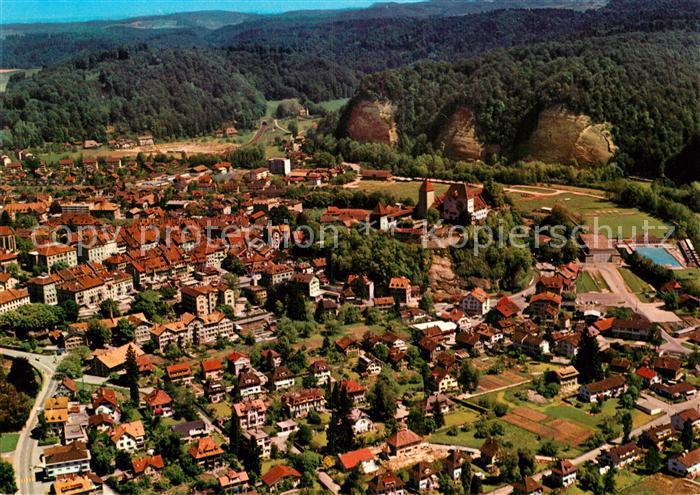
(458, 137)
(373, 121)
(563, 137)
(444, 284)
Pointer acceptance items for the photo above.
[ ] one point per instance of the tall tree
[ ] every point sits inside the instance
(626, 421)
(340, 435)
(469, 376)
(687, 435)
(7, 478)
(587, 361)
(14, 407)
(132, 375)
(251, 452)
(383, 398)
(438, 416)
(652, 460)
(97, 334)
(465, 478)
(23, 377)
(235, 434)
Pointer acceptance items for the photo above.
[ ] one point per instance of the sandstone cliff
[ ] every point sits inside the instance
(373, 121)
(562, 136)
(458, 137)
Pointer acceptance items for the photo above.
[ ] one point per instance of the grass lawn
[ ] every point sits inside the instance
(636, 284)
(319, 440)
(221, 410)
(459, 418)
(400, 190)
(591, 282)
(333, 105)
(687, 274)
(8, 442)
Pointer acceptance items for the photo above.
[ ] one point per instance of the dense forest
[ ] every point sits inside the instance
(39, 45)
(645, 85)
(169, 92)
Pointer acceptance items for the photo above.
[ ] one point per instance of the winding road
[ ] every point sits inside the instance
(26, 455)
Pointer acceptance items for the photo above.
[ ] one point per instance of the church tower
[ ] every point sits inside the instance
(426, 198)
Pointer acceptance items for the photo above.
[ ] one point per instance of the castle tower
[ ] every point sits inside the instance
(426, 198)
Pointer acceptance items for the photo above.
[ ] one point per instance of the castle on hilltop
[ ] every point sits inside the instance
(460, 204)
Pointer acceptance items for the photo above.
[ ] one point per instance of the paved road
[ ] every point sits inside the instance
(26, 455)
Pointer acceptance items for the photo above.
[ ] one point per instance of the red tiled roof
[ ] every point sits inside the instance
(277, 473)
(403, 438)
(351, 459)
(140, 465)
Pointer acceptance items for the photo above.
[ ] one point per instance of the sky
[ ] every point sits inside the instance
(16, 11)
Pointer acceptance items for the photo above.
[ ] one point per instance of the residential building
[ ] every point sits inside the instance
(261, 438)
(108, 361)
(362, 459)
(564, 473)
(321, 372)
(129, 437)
(237, 362)
(277, 475)
(300, 402)
(192, 429)
(678, 420)
(386, 484)
(12, 299)
(66, 459)
(620, 455)
(282, 378)
(567, 378)
(612, 386)
(404, 442)
(249, 383)
(180, 373)
(159, 403)
(251, 413)
(476, 302)
(148, 466)
(49, 255)
(686, 465)
(206, 453)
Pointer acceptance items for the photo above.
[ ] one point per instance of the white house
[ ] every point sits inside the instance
(66, 459)
(476, 302)
(686, 465)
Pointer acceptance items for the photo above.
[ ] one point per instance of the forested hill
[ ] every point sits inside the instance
(645, 85)
(438, 29)
(170, 92)
(190, 91)
(382, 43)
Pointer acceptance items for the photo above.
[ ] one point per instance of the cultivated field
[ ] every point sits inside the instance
(547, 426)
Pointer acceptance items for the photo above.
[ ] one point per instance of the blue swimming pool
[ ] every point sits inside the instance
(659, 255)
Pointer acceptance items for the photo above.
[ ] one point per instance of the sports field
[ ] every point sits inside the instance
(595, 211)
